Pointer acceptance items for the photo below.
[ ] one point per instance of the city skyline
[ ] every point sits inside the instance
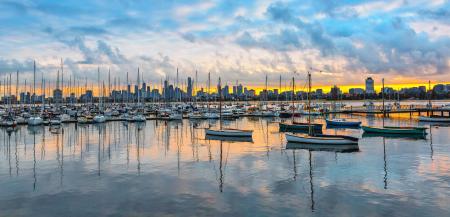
(286, 84)
(176, 91)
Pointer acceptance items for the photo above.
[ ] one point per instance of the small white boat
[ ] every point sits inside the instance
(229, 132)
(434, 119)
(82, 120)
(228, 114)
(55, 121)
(322, 139)
(20, 120)
(270, 113)
(65, 118)
(175, 116)
(343, 122)
(35, 120)
(8, 123)
(139, 118)
(195, 115)
(99, 119)
(212, 115)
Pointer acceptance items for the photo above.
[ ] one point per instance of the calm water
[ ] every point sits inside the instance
(171, 170)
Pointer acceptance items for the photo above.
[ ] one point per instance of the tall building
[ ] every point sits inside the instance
(189, 87)
(239, 90)
(370, 86)
(335, 92)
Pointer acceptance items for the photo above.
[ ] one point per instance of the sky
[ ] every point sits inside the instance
(339, 42)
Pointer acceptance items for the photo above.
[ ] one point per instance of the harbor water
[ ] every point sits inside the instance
(160, 168)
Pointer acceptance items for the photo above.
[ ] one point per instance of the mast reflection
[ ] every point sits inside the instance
(317, 147)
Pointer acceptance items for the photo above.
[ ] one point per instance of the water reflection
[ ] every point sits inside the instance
(174, 165)
(385, 164)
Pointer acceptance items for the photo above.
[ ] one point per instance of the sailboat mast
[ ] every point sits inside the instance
(292, 98)
(128, 93)
(279, 90)
(382, 96)
(429, 96)
(266, 92)
(138, 91)
(34, 84)
(62, 82)
(17, 87)
(109, 85)
(219, 90)
(309, 103)
(177, 88)
(209, 86)
(99, 88)
(196, 83)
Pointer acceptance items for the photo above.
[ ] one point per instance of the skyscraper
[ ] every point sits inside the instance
(370, 87)
(189, 87)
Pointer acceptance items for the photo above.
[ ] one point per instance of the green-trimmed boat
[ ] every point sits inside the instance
(316, 128)
(395, 130)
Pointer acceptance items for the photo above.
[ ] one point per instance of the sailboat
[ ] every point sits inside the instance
(391, 129)
(210, 114)
(35, 119)
(99, 118)
(138, 117)
(226, 132)
(312, 138)
(55, 120)
(299, 126)
(342, 122)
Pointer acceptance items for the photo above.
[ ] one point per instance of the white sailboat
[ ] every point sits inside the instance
(99, 118)
(226, 132)
(35, 119)
(312, 138)
(138, 117)
(210, 114)
(55, 120)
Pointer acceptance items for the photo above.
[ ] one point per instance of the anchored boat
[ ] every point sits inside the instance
(297, 126)
(395, 130)
(226, 132)
(342, 122)
(230, 132)
(313, 138)
(435, 118)
(322, 139)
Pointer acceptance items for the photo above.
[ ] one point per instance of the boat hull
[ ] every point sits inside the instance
(328, 140)
(35, 121)
(434, 119)
(229, 133)
(394, 130)
(317, 128)
(230, 138)
(343, 123)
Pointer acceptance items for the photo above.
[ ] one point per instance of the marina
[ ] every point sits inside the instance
(219, 108)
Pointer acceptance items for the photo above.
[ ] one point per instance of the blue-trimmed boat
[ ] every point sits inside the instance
(341, 122)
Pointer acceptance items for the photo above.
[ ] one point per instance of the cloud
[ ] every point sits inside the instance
(236, 39)
(12, 65)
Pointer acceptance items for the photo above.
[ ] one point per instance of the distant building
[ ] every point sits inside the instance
(189, 87)
(388, 90)
(356, 91)
(439, 88)
(370, 86)
(57, 95)
(335, 92)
